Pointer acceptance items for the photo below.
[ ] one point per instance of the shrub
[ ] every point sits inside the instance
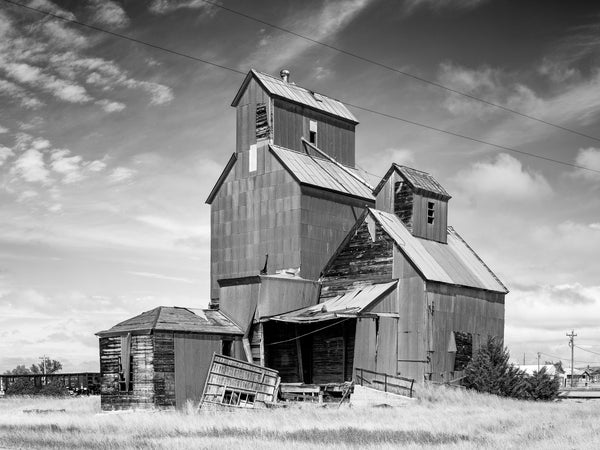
(54, 389)
(22, 386)
(542, 386)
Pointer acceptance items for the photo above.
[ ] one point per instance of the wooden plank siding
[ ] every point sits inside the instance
(246, 115)
(437, 231)
(141, 393)
(164, 370)
(334, 136)
(359, 261)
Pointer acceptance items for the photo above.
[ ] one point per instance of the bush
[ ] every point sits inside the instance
(542, 386)
(489, 371)
(54, 389)
(22, 386)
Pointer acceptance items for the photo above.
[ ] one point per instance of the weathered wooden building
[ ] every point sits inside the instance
(160, 358)
(278, 196)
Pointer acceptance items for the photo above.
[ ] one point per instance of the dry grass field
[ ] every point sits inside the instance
(439, 418)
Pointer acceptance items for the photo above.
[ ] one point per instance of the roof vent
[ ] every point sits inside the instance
(285, 75)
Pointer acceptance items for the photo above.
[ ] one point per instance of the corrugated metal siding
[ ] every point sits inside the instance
(276, 86)
(422, 180)
(453, 263)
(321, 173)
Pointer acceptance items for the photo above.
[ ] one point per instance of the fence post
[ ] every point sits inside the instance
(385, 382)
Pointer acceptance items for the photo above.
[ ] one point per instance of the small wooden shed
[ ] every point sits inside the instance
(160, 358)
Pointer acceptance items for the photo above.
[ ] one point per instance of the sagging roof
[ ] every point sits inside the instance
(277, 87)
(321, 173)
(349, 304)
(169, 318)
(453, 263)
(420, 181)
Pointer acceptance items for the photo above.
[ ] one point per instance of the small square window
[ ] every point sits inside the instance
(312, 133)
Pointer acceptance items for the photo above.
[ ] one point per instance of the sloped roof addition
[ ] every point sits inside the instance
(451, 263)
(297, 94)
(321, 173)
(419, 180)
(166, 318)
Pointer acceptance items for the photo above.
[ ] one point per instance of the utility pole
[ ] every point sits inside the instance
(539, 354)
(43, 358)
(523, 358)
(571, 337)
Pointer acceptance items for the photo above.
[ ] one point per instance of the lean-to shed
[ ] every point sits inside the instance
(160, 358)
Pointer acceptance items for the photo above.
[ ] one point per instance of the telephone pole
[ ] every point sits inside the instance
(539, 354)
(571, 337)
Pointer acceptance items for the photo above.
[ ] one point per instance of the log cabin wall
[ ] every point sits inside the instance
(334, 136)
(141, 393)
(360, 260)
(254, 214)
(457, 309)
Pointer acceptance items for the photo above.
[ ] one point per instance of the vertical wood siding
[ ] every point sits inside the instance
(436, 231)
(335, 137)
(141, 395)
(164, 370)
(246, 116)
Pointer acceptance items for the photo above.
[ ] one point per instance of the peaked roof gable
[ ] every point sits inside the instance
(420, 181)
(276, 87)
(167, 318)
(215, 190)
(321, 173)
(452, 263)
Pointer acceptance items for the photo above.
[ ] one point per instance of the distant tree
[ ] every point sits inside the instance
(51, 366)
(19, 370)
(55, 389)
(22, 386)
(489, 371)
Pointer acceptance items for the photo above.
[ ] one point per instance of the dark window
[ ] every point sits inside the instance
(262, 123)
(227, 348)
(312, 137)
(464, 350)
(237, 398)
(430, 212)
(125, 385)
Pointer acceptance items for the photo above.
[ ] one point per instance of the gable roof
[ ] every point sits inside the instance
(215, 190)
(314, 171)
(451, 263)
(420, 181)
(349, 304)
(168, 318)
(276, 87)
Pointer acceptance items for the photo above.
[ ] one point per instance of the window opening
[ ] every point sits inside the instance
(227, 348)
(464, 350)
(430, 212)
(262, 123)
(234, 397)
(312, 133)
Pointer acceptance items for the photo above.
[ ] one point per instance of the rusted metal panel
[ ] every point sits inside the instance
(350, 303)
(193, 354)
(319, 172)
(277, 87)
(454, 263)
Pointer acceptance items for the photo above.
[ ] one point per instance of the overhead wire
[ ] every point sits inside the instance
(398, 71)
(309, 333)
(369, 110)
(586, 350)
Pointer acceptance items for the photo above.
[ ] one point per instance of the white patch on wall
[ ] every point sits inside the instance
(252, 159)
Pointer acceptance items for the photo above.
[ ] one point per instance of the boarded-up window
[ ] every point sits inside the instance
(252, 160)
(464, 350)
(125, 384)
(262, 123)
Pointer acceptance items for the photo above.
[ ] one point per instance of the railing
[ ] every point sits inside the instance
(384, 382)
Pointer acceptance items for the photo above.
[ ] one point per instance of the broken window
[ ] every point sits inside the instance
(312, 133)
(234, 397)
(430, 212)
(464, 349)
(262, 123)
(125, 384)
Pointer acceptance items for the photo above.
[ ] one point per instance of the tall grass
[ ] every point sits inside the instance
(439, 418)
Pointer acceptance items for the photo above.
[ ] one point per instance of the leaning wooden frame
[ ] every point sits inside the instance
(232, 383)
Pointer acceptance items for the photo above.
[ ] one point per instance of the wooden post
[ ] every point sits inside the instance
(299, 354)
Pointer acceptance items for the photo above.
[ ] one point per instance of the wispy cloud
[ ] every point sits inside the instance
(5, 153)
(411, 6)
(120, 174)
(167, 6)
(107, 12)
(30, 166)
(588, 157)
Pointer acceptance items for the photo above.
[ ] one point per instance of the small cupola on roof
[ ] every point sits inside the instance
(417, 199)
(274, 110)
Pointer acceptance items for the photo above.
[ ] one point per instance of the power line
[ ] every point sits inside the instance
(309, 333)
(369, 110)
(586, 350)
(401, 72)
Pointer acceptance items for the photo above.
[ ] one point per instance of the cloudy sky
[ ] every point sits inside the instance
(109, 148)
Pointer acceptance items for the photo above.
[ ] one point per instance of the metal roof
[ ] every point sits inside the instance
(452, 263)
(167, 318)
(277, 87)
(314, 171)
(349, 304)
(419, 180)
